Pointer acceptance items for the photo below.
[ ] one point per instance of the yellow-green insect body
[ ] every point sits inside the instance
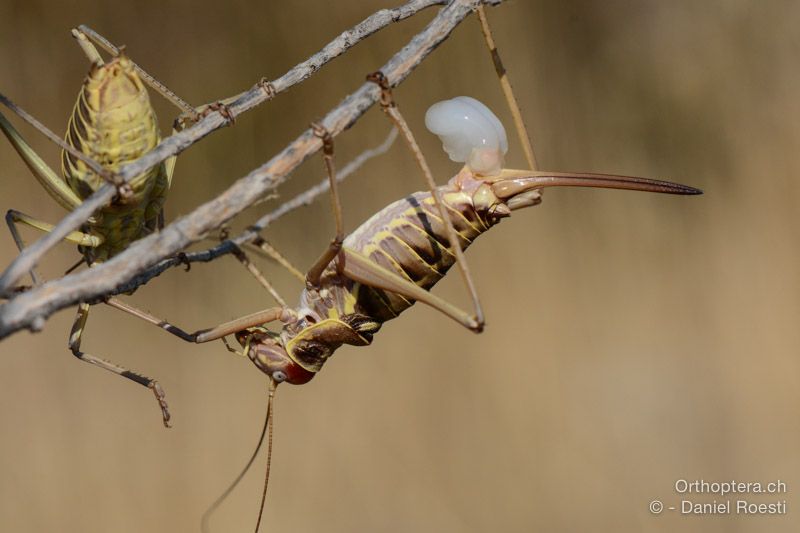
(114, 124)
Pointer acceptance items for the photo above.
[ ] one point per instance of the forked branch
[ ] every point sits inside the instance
(30, 309)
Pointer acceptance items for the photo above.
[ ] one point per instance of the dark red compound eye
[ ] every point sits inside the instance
(296, 374)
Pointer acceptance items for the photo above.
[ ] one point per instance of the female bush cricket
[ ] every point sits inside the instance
(394, 259)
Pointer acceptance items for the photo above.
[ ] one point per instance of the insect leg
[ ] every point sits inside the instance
(12, 227)
(76, 335)
(361, 269)
(209, 334)
(75, 346)
(315, 272)
(14, 217)
(88, 48)
(244, 260)
(56, 187)
(261, 246)
(78, 237)
(508, 92)
(83, 239)
(390, 108)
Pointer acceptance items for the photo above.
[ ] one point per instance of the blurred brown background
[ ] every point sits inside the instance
(632, 339)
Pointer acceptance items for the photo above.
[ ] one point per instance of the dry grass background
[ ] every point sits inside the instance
(632, 339)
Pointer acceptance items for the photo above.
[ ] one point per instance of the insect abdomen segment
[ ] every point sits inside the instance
(408, 238)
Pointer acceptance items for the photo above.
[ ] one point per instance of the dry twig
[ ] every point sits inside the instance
(31, 308)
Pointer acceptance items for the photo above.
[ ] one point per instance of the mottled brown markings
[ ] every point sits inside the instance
(385, 260)
(423, 244)
(424, 218)
(396, 246)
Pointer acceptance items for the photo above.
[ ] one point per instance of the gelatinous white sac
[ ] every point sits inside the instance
(470, 133)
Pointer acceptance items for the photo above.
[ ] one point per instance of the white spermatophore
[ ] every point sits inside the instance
(470, 133)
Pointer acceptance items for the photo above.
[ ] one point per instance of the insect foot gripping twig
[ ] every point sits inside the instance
(268, 88)
(223, 108)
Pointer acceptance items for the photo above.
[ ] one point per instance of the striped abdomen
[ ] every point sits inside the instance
(114, 124)
(409, 238)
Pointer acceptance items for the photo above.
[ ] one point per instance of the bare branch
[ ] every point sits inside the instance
(29, 309)
(177, 143)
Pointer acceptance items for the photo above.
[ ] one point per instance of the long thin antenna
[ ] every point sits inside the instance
(222, 497)
(271, 418)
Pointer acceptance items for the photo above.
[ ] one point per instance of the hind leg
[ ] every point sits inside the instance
(75, 337)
